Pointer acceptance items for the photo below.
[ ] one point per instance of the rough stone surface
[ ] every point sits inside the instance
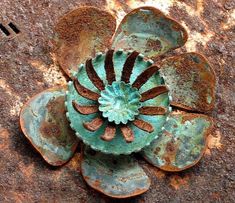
(27, 68)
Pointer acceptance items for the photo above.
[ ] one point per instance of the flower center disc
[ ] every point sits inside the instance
(119, 102)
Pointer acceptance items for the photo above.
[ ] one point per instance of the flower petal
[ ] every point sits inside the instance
(115, 176)
(44, 123)
(82, 33)
(191, 81)
(149, 31)
(182, 142)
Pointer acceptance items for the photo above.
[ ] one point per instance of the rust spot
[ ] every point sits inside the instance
(109, 133)
(155, 45)
(56, 107)
(157, 150)
(93, 76)
(170, 147)
(128, 67)
(85, 109)
(213, 142)
(143, 125)
(152, 110)
(48, 129)
(83, 91)
(97, 183)
(177, 182)
(159, 173)
(154, 92)
(144, 76)
(74, 163)
(110, 74)
(127, 133)
(94, 124)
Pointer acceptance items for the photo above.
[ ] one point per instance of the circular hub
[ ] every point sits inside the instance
(119, 102)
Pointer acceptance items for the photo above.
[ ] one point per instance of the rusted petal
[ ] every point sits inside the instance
(83, 91)
(144, 76)
(110, 74)
(152, 110)
(94, 125)
(148, 31)
(85, 109)
(82, 33)
(154, 92)
(109, 133)
(182, 142)
(191, 81)
(43, 121)
(95, 79)
(143, 125)
(114, 176)
(128, 67)
(127, 133)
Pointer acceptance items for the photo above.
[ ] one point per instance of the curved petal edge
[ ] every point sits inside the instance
(191, 81)
(182, 142)
(80, 34)
(114, 176)
(43, 121)
(149, 31)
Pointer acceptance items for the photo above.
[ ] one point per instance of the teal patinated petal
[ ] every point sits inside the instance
(44, 123)
(149, 31)
(182, 143)
(115, 176)
(96, 124)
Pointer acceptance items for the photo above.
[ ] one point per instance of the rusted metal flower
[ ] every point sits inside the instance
(118, 101)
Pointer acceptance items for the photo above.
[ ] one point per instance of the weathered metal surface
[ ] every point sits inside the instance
(182, 142)
(149, 31)
(115, 176)
(44, 123)
(26, 68)
(82, 33)
(118, 103)
(191, 81)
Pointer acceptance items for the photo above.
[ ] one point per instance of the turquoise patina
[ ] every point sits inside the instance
(182, 143)
(44, 123)
(121, 62)
(119, 102)
(116, 176)
(149, 31)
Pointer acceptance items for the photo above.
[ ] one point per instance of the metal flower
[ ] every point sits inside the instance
(117, 97)
(118, 101)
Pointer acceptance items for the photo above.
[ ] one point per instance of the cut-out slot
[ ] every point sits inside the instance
(14, 28)
(4, 30)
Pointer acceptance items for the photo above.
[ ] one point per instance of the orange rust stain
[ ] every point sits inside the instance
(213, 142)
(215, 196)
(26, 170)
(4, 139)
(74, 163)
(97, 184)
(159, 173)
(177, 182)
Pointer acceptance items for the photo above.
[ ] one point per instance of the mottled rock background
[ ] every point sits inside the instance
(27, 67)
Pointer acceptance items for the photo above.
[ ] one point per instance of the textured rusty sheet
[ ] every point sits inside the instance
(27, 68)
